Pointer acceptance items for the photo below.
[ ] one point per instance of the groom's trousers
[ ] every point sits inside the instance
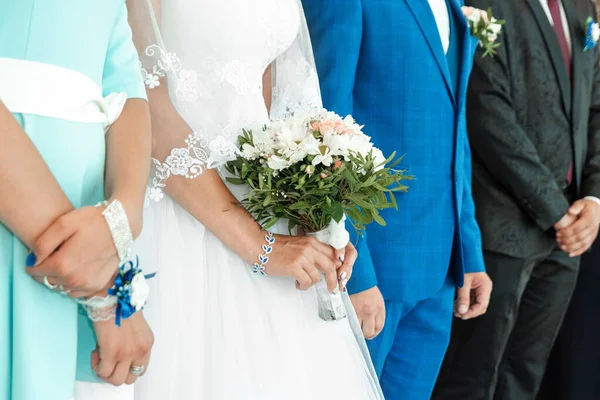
(502, 355)
(408, 353)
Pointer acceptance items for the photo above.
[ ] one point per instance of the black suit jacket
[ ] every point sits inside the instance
(527, 119)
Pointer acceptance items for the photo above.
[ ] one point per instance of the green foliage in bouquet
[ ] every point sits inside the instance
(311, 196)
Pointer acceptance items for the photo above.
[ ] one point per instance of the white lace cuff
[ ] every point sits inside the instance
(190, 161)
(100, 308)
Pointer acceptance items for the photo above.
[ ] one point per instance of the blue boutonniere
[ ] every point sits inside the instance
(592, 34)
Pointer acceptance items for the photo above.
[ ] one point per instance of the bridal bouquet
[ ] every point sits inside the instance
(313, 171)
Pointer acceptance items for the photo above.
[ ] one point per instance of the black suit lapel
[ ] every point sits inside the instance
(576, 28)
(555, 54)
(577, 55)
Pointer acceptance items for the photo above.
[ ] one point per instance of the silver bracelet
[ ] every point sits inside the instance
(118, 224)
(263, 259)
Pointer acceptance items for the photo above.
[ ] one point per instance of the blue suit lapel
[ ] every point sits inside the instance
(467, 49)
(424, 17)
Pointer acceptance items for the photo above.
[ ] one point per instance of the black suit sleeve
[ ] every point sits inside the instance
(590, 184)
(501, 145)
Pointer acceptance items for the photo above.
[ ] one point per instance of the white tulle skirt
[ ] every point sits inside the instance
(225, 333)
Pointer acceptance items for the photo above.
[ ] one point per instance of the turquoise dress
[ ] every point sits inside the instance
(39, 330)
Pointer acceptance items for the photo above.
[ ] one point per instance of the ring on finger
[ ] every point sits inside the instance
(137, 370)
(48, 284)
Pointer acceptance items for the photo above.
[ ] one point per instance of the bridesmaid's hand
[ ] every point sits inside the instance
(76, 251)
(121, 348)
(304, 259)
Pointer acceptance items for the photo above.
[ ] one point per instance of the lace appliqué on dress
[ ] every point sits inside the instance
(187, 85)
(299, 95)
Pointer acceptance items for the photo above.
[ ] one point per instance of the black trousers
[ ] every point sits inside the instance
(502, 355)
(574, 369)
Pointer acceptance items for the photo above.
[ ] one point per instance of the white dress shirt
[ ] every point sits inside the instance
(442, 19)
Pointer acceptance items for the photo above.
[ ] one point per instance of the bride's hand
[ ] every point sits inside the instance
(304, 259)
(76, 251)
(120, 348)
(347, 256)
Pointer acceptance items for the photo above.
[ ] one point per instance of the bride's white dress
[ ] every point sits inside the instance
(223, 332)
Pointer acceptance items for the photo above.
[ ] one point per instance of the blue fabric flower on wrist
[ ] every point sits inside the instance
(131, 290)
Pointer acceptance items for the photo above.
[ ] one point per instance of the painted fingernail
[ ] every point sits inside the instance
(336, 291)
(344, 282)
(341, 258)
(31, 260)
(462, 309)
(343, 275)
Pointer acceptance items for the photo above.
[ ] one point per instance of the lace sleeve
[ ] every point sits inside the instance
(178, 150)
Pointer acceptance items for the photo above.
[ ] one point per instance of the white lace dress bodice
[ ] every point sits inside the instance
(225, 50)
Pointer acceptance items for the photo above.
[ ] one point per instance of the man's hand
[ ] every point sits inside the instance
(474, 297)
(121, 348)
(370, 310)
(576, 237)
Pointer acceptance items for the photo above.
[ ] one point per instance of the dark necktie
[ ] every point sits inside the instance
(554, 6)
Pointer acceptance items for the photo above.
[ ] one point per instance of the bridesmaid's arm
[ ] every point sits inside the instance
(128, 160)
(31, 198)
(128, 141)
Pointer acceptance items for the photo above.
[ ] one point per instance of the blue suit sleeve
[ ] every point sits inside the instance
(122, 67)
(336, 31)
(472, 248)
(363, 275)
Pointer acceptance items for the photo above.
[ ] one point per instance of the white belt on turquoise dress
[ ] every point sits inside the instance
(29, 87)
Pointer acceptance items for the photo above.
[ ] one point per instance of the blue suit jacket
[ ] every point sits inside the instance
(382, 61)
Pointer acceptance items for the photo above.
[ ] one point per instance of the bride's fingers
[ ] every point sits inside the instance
(340, 255)
(323, 248)
(345, 271)
(314, 274)
(303, 280)
(329, 268)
